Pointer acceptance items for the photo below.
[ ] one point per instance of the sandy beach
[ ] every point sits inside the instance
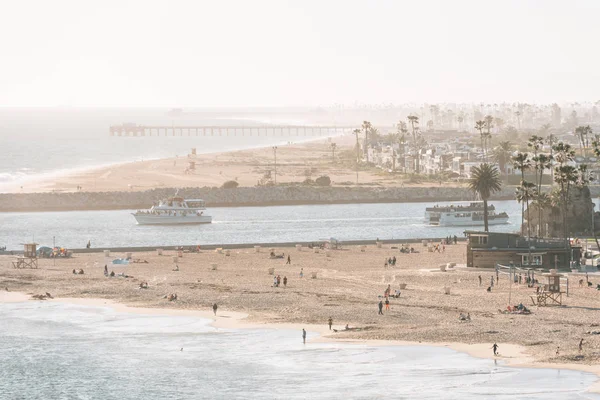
(349, 284)
(295, 162)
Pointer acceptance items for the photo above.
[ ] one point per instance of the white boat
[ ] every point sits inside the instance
(175, 211)
(470, 214)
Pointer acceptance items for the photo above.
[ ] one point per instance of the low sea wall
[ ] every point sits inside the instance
(243, 196)
(116, 251)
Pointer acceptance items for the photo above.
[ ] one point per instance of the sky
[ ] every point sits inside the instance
(275, 53)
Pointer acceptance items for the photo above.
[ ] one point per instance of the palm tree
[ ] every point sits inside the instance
(460, 118)
(414, 124)
(357, 132)
(488, 134)
(545, 129)
(502, 153)
(525, 192)
(518, 114)
(583, 133)
(565, 176)
(366, 126)
(479, 125)
(333, 146)
(522, 163)
(484, 181)
(543, 201)
(499, 123)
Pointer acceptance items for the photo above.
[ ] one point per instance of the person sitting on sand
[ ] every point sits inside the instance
(112, 273)
(347, 327)
(176, 268)
(489, 289)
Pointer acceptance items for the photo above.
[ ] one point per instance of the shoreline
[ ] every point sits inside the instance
(38, 181)
(513, 355)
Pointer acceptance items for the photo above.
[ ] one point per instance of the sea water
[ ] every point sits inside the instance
(43, 143)
(66, 351)
(234, 225)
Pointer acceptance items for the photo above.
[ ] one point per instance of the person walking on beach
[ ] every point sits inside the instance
(215, 308)
(495, 348)
(303, 336)
(492, 281)
(387, 304)
(278, 280)
(581, 345)
(289, 260)
(301, 272)
(557, 351)
(285, 281)
(105, 270)
(330, 322)
(380, 307)
(88, 245)
(479, 280)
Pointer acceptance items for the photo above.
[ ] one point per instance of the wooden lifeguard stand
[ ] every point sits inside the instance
(550, 293)
(29, 258)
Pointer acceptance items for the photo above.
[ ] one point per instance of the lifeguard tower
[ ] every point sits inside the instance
(29, 258)
(550, 294)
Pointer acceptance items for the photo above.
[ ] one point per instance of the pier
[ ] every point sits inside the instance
(129, 130)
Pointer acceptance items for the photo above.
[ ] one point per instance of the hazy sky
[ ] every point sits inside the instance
(284, 53)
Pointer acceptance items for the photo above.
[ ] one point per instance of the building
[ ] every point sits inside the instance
(486, 249)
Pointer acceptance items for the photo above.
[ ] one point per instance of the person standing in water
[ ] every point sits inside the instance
(303, 336)
(580, 345)
(215, 308)
(289, 259)
(495, 348)
(380, 307)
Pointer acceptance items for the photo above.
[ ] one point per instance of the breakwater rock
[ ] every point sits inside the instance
(242, 196)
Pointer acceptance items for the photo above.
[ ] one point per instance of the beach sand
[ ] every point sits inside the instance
(247, 167)
(346, 288)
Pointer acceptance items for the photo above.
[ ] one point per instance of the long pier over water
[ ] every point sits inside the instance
(229, 130)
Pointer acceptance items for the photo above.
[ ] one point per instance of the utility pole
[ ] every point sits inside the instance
(275, 155)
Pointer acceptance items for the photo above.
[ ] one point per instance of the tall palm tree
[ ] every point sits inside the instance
(333, 147)
(488, 134)
(543, 202)
(525, 192)
(413, 120)
(357, 132)
(480, 125)
(484, 181)
(518, 114)
(522, 163)
(367, 127)
(583, 133)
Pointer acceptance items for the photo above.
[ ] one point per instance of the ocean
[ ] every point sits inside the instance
(66, 351)
(41, 143)
(233, 225)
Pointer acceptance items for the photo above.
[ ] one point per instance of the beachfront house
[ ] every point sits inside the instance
(486, 249)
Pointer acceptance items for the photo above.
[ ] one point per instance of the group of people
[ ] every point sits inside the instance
(451, 239)
(277, 281)
(406, 249)
(386, 301)
(391, 261)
